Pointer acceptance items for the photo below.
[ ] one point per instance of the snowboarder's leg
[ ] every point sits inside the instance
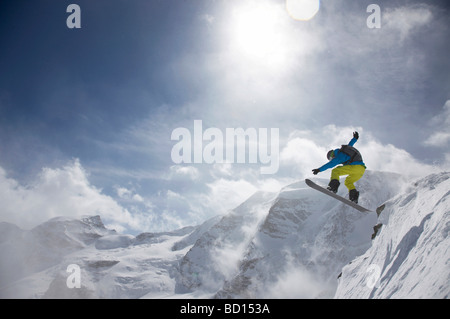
(334, 180)
(355, 172)
(339, 171)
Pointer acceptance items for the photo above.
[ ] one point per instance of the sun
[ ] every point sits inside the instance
(302, 9)
(255, 28)
(258, 31)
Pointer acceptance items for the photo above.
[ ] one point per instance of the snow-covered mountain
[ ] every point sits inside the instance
(290, 244)
(296, 243)
(410, 258)
(27, 252)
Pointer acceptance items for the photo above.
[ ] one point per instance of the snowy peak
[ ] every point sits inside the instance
(112, 265)
(32, 250)
(295, 243)
(69, 233)
(286, 216)
(8, 230)
(255, 247)
(410, 256)
(216, 254)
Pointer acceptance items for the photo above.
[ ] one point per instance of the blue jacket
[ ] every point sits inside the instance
(340, 157)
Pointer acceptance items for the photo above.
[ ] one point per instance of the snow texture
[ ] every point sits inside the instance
(295, 243)
(410, 256)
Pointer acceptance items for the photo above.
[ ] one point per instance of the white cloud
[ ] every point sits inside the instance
(308, 287)
(62, 191)
(66, 191)
(438, 139)
(183, 172)
(389, 158)
(137, 198)
(228, 186)
(225, 194)
(123, 192)
(222, 170)
(130, 196)
(302, 153)
(407, 18)
(311, 286)
(441, 123)
(209, 19)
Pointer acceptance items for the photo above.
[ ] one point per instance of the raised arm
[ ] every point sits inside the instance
(354, 139)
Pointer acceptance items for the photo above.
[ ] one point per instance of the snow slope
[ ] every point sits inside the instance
(410, 256)
(26, 252)
(290, 244)
(112, 265)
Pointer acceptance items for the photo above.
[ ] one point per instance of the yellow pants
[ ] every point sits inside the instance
(354, 172)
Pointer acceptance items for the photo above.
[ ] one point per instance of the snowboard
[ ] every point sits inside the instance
(311, 184)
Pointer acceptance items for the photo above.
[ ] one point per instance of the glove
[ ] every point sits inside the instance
(316, 171)
(355, 135)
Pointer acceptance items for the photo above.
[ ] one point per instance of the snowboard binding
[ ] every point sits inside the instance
(333, 186)
(353, 196)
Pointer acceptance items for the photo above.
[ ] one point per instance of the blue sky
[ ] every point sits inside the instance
(96, 106)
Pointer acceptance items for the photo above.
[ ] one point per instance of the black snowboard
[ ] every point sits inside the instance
(311, 184)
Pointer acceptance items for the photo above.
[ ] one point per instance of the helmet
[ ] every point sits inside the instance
(330, 155)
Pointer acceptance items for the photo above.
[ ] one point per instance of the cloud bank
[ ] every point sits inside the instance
(211, 189)
(441, 137)
(55, 192)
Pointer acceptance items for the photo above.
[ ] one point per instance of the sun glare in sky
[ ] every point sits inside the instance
(258, 32)
(255, 28)
(302, 9)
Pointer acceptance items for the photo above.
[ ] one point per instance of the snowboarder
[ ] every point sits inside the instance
(353, 166)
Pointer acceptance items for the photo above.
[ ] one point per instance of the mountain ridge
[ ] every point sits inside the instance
(410, 256)
(295, 243)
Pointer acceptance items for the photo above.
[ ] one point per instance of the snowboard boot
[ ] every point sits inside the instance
(353, 196)
(333, 185)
